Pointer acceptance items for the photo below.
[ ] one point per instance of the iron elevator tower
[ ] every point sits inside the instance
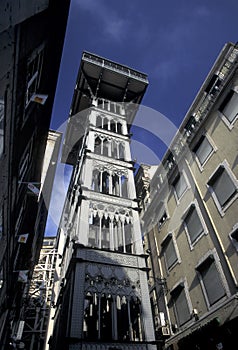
(101, 292)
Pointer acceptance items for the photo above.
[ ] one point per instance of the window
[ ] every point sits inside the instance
(223, 187)
(20, 217)
(234, 236)
(170, 253)
(111, 317)
(180, 186)
(2, 112)
(229, 107)
(34, 68)
(25, 161)
(190, 125)
(213, 85)
(211, 282)
(180, 304)
(114, 232)
(193, 224)
(162, 219)
(203, 149)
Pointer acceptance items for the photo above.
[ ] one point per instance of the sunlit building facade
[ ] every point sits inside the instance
(190, 225)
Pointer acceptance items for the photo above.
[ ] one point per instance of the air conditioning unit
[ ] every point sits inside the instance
(165, 330)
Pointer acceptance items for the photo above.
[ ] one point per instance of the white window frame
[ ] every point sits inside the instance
(203, 223)
(221, 274)
(229, 124)
(214, 149)
(222, 209)
(170, 236)
(180, 175)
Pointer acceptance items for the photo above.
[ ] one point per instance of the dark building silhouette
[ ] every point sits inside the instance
(31, 38)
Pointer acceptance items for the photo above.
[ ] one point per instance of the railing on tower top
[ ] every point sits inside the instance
(114, 66)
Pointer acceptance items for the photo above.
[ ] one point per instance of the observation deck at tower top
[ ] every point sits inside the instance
(100, 78)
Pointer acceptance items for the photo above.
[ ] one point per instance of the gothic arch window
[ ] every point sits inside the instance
(112, 231)
(121, 150)
(119, 128)
(124, 181)
(116, 127)
(105, 123)
(122, 318)
(106, 317)
(111, 315)
(99, 121)
(106, 147)
(97, 145)
(90, 321)
(135, 316)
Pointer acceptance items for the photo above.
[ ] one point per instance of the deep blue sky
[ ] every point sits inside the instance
(175, 42)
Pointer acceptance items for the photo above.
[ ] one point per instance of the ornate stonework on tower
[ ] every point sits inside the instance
(101, 293)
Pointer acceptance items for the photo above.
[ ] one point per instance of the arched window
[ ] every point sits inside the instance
(123, 330)
(90, 321)
(97, 145)
(106, 324)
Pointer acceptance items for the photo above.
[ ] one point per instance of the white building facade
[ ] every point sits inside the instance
(101, 297)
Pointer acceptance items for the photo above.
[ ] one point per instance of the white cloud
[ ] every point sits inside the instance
(112, 24)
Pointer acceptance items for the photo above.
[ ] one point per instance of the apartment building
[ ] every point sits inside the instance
(31, 43)
(189, 220)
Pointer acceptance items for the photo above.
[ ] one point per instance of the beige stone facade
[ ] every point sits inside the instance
(191, 226)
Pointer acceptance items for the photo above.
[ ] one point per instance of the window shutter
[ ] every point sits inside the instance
(224, 187)
(180, 186)
(230, 108)
(212, 281)
(181, 306)
(170, 253)
(203, 149)
(193, 224)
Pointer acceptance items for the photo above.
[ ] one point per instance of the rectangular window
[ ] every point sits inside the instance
(25, 161)
(193, 224)
(2, 112)
(170, 253)
(213, 85)
(34, 68)
(223, 186)
(180, 304)
(180, 186)
(203, 149)
(211, 281)
(20, 217)
(229, 107)
(162, 219)
(234, 236)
